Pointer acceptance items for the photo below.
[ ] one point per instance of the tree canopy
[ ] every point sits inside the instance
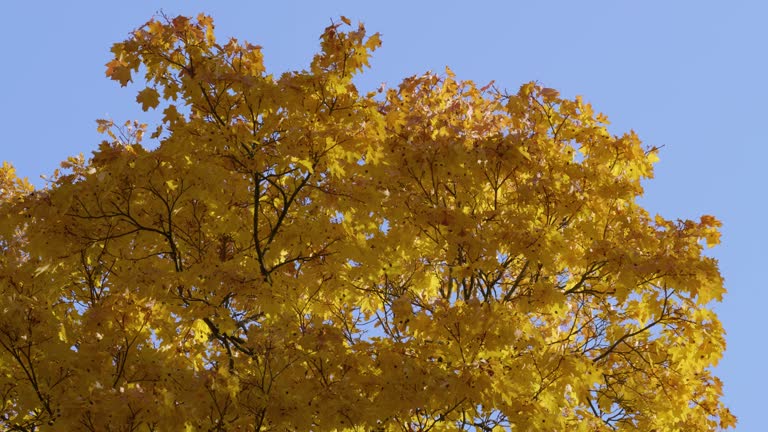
(292, 254)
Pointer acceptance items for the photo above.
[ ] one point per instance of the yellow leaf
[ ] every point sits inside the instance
(42, 269)
(172, 184)
(62, 333)
(549, 93)
(103, 125)
(653, 156)
(201, 329)
(148, 98)
(119, 72)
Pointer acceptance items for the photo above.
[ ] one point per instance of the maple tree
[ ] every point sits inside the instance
(295, 255)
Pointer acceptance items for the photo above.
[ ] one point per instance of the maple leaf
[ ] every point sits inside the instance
(118, 71)
(148, 98)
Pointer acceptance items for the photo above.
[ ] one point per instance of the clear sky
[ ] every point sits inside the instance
(689, 76)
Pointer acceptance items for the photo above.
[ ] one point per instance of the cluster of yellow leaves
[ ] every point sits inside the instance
(295, 255)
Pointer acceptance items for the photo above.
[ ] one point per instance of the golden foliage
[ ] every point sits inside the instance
(295, 255)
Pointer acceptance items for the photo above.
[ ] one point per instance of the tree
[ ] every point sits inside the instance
(291, 254)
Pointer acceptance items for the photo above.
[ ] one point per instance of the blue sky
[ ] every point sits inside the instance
(689, 76)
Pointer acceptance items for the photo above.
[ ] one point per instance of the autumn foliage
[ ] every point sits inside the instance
(291, 254)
